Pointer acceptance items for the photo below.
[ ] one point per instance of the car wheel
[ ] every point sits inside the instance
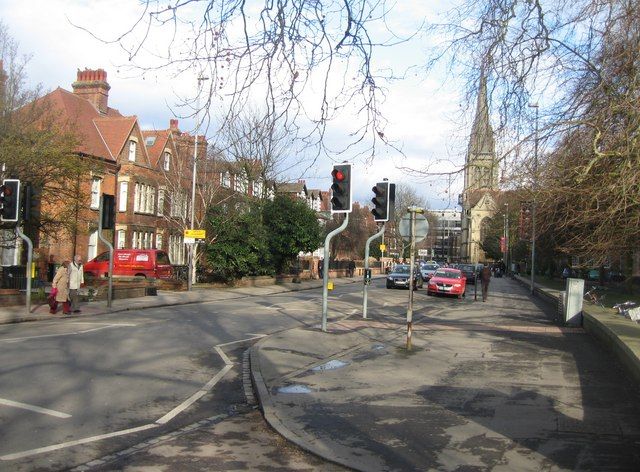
(388, 285)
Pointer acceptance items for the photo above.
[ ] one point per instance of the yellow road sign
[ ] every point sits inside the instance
(195, 233)
(383, 247)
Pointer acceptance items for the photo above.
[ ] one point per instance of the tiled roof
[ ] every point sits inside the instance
(295, 187)
(160, 143)
(98, 135)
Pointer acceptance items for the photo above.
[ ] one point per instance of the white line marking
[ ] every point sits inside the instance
(224, 357)
(72, 333)
(37, 409)
(55, 447)
(195, 397)
(256, 336)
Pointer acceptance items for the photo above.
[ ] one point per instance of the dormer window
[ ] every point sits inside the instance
(132, 150)
(166, 162)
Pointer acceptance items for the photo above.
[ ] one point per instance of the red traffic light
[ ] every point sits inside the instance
(6, 190)
(338, 175)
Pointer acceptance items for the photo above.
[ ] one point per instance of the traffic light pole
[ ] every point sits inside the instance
(366, 267)
(325, 269)
(108, 244)
(29, 262)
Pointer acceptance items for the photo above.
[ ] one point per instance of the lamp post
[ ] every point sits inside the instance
(533, 203)
(193, 187)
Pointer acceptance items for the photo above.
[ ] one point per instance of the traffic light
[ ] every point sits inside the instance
(108, 211)
(380, 201)
(392, 201)
(30, 202)
(9, 198)
(341, 189)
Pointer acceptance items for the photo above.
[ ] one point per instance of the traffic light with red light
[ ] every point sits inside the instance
(341, 189)
(9, 200)
(380, 201)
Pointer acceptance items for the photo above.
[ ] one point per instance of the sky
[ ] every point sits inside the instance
(423, 111)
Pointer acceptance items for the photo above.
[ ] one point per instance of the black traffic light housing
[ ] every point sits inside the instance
(341, 188)
(108, 211)
(30, 203)
(9, 200)
(380, 201)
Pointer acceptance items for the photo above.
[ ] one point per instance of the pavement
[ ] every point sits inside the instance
(486, 386)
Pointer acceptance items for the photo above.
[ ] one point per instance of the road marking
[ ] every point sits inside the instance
(72, 333)
(195, 397)
(255, 336)
(37, 409)
(55, 447)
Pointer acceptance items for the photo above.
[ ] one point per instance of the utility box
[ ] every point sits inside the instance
(573, 298)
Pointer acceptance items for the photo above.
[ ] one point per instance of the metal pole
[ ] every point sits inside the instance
(411, 281)
(506, 262)
(108, 244)
(29, 262)
(325, 270)
(366, 266)
(533, 205)
(192, 247)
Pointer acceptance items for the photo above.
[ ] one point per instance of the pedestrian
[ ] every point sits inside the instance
(485, 278)
(61, 284)
(566, 273)
(352, 267)
(321, 268)
(76, 280)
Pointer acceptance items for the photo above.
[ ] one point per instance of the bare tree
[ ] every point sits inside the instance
(304, 62)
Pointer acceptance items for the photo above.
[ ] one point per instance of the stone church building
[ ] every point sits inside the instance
(480, 192)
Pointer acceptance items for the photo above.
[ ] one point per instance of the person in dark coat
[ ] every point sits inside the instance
(485, 278)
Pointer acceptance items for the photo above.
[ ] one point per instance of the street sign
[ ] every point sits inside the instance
(422, 227)
(195, 233)
(423, 252)
(189, 240)
(383, 247)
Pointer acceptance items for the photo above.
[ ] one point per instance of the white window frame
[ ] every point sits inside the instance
(122, 196)
(92, 246)
(158, 240)
(132, 150)
(166, 163)
(160, 202)
(96, 186)
(122, 239)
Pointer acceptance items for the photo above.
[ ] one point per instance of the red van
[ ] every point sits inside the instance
(151, 263)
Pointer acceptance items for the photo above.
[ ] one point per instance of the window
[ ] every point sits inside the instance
(93, 246)
(149, 141)
(226, 180)
(158, 240)
(121, 244)
(166, 163)
(160, 202)
(95, 193)
(122, 198)
(132, 150)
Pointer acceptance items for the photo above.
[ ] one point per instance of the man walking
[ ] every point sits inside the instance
(485, 278)
(76, 280)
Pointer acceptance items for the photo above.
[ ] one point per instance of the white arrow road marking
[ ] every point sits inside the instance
(37, 409)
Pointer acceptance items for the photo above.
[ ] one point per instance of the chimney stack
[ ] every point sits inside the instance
(92, 85)
(173, 124)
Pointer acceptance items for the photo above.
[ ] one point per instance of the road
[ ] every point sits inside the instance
(83, 389)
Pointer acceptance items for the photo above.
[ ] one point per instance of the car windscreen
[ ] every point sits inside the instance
(401, 270)
(430, 267)
(448, 274)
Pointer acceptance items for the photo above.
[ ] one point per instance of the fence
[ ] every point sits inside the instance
(15, 277)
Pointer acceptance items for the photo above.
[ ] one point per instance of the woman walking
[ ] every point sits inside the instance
(61, 284)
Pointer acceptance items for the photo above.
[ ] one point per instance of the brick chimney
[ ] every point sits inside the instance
(173, 124)
(92, 85)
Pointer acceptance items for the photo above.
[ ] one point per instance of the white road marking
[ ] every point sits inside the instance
(163, 420)
(55, 447)
(71, 333)
(255, 336)
(37, 409)
(195, 397)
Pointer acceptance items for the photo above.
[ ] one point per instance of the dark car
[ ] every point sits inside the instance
(469, 271)
(399, 277)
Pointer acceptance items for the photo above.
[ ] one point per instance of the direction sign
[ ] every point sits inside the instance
(422, 227)
(195, 233)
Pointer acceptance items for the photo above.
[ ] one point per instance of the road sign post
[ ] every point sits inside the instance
(367, 270)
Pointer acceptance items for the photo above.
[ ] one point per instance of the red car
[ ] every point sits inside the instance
(447, 281)
(150, 263)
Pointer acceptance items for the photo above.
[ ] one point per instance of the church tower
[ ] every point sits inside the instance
(480, 180)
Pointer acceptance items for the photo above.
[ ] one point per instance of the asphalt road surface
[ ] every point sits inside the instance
(93, 392)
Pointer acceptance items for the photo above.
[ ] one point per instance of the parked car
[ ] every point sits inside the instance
(469, 271)
(151, 263)
(447, 281)
(399, 277)
(428, 269)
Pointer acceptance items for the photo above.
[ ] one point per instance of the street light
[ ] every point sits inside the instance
(533, 203)
(193, 184)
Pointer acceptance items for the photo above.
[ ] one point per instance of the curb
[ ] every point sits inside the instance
(270, 416)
